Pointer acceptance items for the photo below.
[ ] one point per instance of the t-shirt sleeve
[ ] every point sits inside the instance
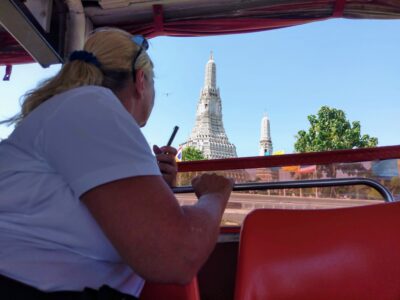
(91, 140)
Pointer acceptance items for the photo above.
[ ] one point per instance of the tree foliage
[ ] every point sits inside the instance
(191, 153)
(330, 130)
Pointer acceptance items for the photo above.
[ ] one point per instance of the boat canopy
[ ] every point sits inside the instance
(47, 31)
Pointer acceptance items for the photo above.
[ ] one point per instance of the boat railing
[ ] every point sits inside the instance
(382, 190)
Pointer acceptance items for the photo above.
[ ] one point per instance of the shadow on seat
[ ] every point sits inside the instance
(346, 253)
(161, 291)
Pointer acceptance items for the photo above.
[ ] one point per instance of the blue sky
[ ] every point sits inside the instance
(288, 73)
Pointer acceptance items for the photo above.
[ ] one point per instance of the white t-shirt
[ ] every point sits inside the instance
(70, 144)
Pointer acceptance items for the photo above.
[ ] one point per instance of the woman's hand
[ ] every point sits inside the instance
(166, 161)
(213, 184)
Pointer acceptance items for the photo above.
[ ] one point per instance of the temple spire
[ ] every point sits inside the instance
(208, 134)
(265, 138)
(210, 78)
(265, 128)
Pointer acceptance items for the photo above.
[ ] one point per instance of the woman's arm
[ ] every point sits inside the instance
(160, 240)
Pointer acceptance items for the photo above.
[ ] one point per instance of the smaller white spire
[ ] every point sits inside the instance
(265, 128)
(265, 138)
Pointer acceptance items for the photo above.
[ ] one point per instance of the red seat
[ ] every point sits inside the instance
(161, 291)
(346, 253)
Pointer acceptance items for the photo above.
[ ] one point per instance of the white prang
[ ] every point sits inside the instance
(208, 134)
(265, 138)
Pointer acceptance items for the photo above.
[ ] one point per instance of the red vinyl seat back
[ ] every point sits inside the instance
(162, 291)
(346, 253)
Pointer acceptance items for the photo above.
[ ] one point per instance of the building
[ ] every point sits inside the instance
(265, 139)
(208, 134)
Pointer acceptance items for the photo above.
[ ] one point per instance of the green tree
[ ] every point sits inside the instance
(330, 130)
(191, 153)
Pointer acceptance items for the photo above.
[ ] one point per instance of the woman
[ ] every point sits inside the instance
(83, 201)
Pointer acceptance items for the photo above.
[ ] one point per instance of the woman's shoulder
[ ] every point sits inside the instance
(81, 103)
(83, 99)
(91, 92)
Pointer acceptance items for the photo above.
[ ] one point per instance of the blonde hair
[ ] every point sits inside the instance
(115, 52)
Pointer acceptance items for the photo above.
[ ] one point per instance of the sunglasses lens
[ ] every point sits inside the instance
(140, 41)
(145, 44)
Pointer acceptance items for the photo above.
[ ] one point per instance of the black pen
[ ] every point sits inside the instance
(172, 135)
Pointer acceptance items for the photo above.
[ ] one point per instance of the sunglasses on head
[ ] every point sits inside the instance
(140, 41)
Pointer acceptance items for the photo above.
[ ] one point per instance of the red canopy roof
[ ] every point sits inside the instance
(211, 17)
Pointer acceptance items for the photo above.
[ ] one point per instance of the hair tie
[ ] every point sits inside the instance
(84, 56)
